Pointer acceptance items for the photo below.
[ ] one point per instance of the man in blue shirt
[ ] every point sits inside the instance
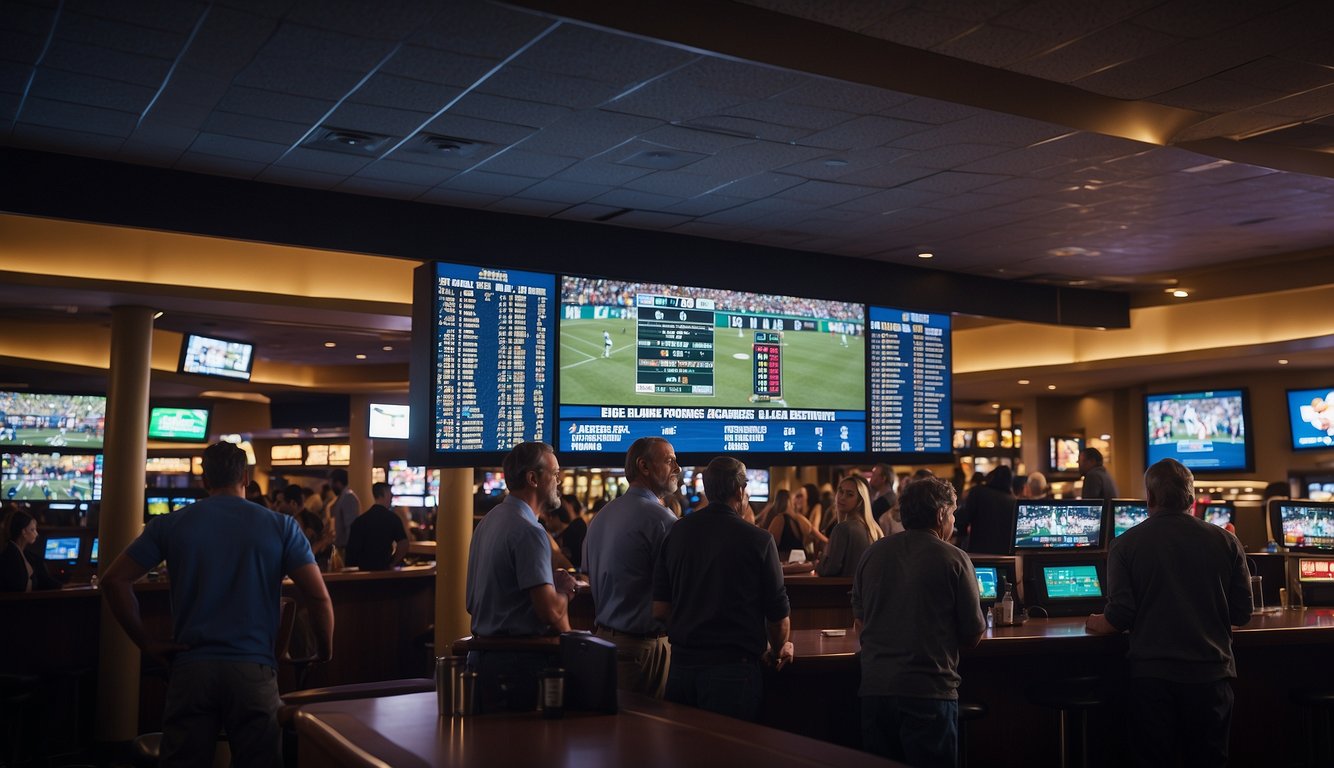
(227, 558)
(620, 553)
(512, 590)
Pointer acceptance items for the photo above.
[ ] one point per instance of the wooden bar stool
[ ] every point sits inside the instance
(1073, 698)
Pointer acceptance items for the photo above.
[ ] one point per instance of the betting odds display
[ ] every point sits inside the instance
(493, 358)
(910, 382)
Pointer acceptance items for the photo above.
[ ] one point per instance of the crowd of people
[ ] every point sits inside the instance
(600, 292)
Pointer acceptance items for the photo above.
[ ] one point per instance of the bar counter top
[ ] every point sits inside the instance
(405, 732)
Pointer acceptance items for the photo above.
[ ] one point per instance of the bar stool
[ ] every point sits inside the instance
(968, 711)
(1073, 697)
(17, 691)
(1317, 706)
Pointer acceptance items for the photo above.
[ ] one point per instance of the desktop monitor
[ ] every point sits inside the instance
(157, 505)
(1128, 513)
(1048, 524)
(1220, 513)
(1305, 525)
(63, 549)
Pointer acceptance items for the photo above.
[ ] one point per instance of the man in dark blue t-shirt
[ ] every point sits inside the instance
(227, 558)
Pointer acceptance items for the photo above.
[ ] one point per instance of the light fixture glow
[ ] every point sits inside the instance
(361, 357)
(1023, 381)
(1051, 386)
(330, 344)
(1283, 361)
(996, 406)
(1104, 437)
(925, 255)
(158, 314)
(1180, 294)
(388, 348)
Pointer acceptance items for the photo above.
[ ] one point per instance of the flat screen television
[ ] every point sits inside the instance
(493, 484)
(1128, 513)
(483, 362)
(1306, 526)
(406, 480)
(910, 384)
(757, 484)
(389, 422)
(1063, 453)
(52, 420)
(63, 549)
(1058, 524)
(168, 465)
(962, 439)
(714, 371)
(156, 506)
(1311, 419)
(1207, 431)
(1220, 513)
(209, 356)
(177, 502)
(187, 425)
(50, 477)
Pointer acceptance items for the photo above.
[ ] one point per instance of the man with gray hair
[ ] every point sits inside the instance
(718, 586)
(1178, 584)
(915, 604)
(512, 590)
(620, 553)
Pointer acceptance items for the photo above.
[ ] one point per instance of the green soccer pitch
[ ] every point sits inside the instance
(818, 371)
(61, 490)
(53, 437)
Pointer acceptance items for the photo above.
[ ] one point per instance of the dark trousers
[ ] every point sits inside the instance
(919, 732)
(206, 696)
(1180, 723)
(508, 680)
(733, 688)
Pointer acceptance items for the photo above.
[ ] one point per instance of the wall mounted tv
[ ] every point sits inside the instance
(52, 420)
(482, 370)
(713, 371)
(208, 356)
(1063, 453)
(910, 388)
(388, 421)
(1311, 418)
(50, 477)
(1207, 431)
(186, 425)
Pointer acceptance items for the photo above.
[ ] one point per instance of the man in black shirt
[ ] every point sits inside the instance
(377, 541)
(718, 586)
(1179, 585)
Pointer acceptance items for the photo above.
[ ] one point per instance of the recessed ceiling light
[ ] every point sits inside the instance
(158, 314)
(1283, 361)
(361, 357)
(1023, 381)
(926, 255)
(1100, 328)
(1180, 294)
(1051, 386)
(314, 429)
(388, 348)
(1104, 437)
(995, 405)
(330, 344)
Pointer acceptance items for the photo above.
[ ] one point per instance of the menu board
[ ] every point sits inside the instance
(491, 378)
(910, 381)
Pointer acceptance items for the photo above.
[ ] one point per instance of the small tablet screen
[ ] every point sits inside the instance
(1069, 582)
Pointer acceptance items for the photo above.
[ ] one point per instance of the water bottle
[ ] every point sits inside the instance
(1007, 606)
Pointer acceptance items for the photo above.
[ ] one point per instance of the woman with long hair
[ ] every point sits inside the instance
(20, 569)
(783, 523)
(855, 531)
(806, 503)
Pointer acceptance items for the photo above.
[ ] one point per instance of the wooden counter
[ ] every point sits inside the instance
(405, 732)
(1275, 651)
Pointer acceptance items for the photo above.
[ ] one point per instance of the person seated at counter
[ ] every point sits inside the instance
(1178, 584)
(20, 569)
(377, 541)
(910, 645)
(512, 590)
(855, 532)
(806, 503)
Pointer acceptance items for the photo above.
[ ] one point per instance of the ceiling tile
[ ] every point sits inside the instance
(994, 45)
(274, 73)
(228, 40)
(705, 204)
(586, 212)
(504, 110)
(588, 133)
(178, 16)
(531, 165)
(258, 128)
(323, 161)
(649, 220)
(759, 185)
(822, 193)
(563, 191)
(548, 87)
(862, 132)
(404, 93)
(480, 29)
(852, 98)
(586, 53)
(361, 185)
(776, 111)
(64, 115)
(197, 162)
(887, 175)
(437, 67)
(90, 90)
(404, 172)
(918, 28)
(120, 36)
(629, 198)
(602, 173)
(242, 149)
(891, 200)
(1161, 71)
(383, 19)
(487, 131)
(64, 140)
(836, 165)
(383, 120)
(954, 182)
(681, 184)
(104, 62)
(274, 106)
(674, 100)
(458, 197)
(1099, 50)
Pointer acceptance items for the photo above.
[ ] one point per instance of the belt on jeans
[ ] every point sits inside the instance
(636, 635)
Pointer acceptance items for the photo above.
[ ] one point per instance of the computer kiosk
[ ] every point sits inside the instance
(1061, 544)
(1307, 531)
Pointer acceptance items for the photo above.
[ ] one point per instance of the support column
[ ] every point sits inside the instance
(782, 477)
(361, 448)
(122, 511)
(453, 535)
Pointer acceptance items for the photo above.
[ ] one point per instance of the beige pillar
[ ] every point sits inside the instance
(782, 477)
(361, 448)
(122, 511)
(453, 534)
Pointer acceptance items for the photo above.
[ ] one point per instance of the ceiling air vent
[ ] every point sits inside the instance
(362, 143)
(446, 146)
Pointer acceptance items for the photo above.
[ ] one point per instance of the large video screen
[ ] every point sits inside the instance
(50, 477)
(1311, 416)
(207, 356)
(711, 370)
(1058, 524)
(911, 393)
(54, 420)
(1205, 431)
(492, 361)
(181, 424)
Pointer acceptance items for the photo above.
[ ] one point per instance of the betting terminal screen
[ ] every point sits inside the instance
(1071, 582)
(1056, 525)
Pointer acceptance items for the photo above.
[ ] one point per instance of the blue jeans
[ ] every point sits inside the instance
(734, 689)
(916, 731)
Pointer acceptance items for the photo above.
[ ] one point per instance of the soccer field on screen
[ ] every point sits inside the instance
(818, 371)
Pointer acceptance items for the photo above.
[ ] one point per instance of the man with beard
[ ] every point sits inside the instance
(512, 590)
(620, 553)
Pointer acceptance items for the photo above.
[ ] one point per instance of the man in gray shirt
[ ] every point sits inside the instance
(344, 510)
(1178, 584)
(1098, 483)
(915, 604)
(620, 553)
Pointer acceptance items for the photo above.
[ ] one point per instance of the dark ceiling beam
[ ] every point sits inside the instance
(81, 189)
